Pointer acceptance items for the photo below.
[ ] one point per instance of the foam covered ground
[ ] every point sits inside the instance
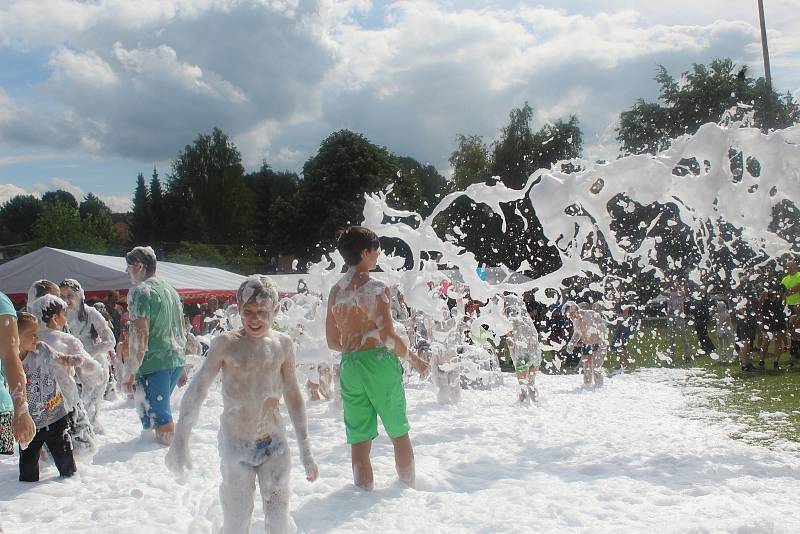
(642, 454)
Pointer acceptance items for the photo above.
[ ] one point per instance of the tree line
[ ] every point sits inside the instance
(209, 210)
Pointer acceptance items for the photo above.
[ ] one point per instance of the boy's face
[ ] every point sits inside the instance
(257, 317)
(369, 257)
(28, 337)
(59, 321)
(136, 272)
(69, 297)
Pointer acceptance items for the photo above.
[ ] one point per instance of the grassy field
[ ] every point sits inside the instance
(766, 402)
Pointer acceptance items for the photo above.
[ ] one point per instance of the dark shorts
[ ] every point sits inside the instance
(746, 332)
(621, 336)
(6, 433)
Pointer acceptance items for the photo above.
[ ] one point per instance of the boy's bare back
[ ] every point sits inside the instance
(357, 303)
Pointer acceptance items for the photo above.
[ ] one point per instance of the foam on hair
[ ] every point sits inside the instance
(45, 307)
(257, 287)
(144, 255)
(40, 288)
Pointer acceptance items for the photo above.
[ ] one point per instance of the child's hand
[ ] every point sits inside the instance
(419, 365)
(178, 457)
(312, 471)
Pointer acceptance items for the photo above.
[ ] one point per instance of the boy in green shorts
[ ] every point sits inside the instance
(359, 325)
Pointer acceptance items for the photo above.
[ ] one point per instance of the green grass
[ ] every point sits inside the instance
(765, 402)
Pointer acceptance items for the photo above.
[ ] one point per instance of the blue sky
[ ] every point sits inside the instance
(91, 93)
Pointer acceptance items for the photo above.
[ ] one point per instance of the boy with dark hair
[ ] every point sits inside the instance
(359, 325)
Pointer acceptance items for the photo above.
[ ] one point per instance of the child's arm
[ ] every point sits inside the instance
(332, 333)
(89, 371)
(395, 342)
(296, 408)
(138, 336)
(178, 457)
(107, 341)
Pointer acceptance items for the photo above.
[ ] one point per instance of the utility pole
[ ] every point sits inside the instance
(767, 74)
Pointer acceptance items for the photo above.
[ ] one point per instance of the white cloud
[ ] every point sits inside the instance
(8, 191)
(117, 203)
(87, 69)
(140, 79)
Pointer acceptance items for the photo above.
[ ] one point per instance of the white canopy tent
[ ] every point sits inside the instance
(101, 274)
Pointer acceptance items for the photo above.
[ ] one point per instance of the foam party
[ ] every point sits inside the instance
(609, 344)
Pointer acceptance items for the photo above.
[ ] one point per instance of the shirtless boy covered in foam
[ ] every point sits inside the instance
(359, 325)
(258, 367)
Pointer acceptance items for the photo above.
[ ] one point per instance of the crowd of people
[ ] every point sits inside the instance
(64, 354)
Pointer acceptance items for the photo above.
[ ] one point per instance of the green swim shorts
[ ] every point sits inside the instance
(372, 385)
(527, 361)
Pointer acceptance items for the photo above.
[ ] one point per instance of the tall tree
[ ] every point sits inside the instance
(470, 162)
(332, 191)
(416, 186)
(513, 152)
(209, 174)
(59, 195)
(704, 94)
(142, 223)
(96, 216)
(156, 200)
(17, 216)
(59, 225)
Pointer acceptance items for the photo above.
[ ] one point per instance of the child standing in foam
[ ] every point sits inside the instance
(590, 338)
(45, 370)
(523, 344)
(50, 311)
(90, 327)
(359, 325)
(258, 367)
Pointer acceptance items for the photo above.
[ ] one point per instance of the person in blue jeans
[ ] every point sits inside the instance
(156, 348)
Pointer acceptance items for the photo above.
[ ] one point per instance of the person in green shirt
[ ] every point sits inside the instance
(156, 347)
(792, 284)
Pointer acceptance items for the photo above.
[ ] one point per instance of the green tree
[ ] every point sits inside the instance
(703, 94)
(416, 186)
(470, 162)
(59, 195)
(96, 217)
(60, 226)
(17, 216)
(332, 190)
(512, 159)
(209, 174)
(156, 200)
(142, 223)
(200, 254)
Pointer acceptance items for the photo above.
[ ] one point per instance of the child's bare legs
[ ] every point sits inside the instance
(236, 495)
(522, 381)
(598, 356)
(273, 481)
(587, 364)
(362, 466)
(744, 354)
(404, 460)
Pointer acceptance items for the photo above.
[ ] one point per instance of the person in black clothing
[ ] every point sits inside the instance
(702, 316)
(773, 321)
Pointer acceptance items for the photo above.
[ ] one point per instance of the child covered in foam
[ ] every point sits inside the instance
(90, 327)
(590, 339)
(50, 311)
(523, 345)
(258, 368)
(359, 325)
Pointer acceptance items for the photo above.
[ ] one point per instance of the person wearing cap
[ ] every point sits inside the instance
(156, 349)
